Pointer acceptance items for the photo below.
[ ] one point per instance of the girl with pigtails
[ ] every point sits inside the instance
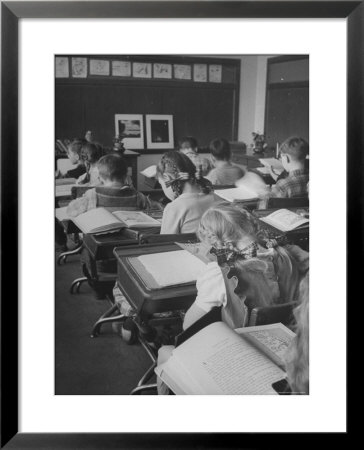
(249, 270)
(190, 194)
(246, 270)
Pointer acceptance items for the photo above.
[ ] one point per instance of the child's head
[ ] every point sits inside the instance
(174, 170)
(293, 152)
(188, 143)
(112, 169)
(225, 226)
(220, 149)
(90, 154)
(74, 150)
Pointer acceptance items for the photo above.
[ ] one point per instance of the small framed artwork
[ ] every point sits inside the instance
(215, 73)
(142, 70)
(130, 128)
(62, 67)
(159, 131)
(79, 67)
(182, 71)
(162, 70)
(99, 67)
(200, 72)
(121, 68)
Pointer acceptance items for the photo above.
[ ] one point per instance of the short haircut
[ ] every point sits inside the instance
(295, 147)
(113, 168)
(76, 145)
(220, 149)
(188, 142)
(91, 152)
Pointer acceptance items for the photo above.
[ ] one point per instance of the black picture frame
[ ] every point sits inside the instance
(11, 12)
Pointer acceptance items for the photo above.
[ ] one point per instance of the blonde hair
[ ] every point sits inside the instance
(297, 356)
(224, 226)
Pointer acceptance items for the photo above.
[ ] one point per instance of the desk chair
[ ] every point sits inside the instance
(265, 315)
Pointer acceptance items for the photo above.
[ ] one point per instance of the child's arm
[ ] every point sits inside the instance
(83, 204)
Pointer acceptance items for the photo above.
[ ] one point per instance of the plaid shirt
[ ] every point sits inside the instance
(294, 185)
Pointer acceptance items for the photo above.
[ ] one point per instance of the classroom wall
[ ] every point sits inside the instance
(253, 79)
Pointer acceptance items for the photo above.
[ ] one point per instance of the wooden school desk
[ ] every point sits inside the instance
(298, 237)
(145, 299)
(101, 246)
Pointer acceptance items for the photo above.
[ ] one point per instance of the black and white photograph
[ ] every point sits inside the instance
(170, 172)
(129, 127)
(185, 253)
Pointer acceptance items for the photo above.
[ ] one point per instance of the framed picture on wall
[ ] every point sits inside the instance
(159, 131)
(130, 127)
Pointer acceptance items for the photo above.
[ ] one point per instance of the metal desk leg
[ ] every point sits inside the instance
(107, 318)
(76, 284)
(63, 256)
(139, 389)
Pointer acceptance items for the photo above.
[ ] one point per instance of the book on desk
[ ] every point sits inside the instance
(221, 361)
(286, 220)
(100, 220)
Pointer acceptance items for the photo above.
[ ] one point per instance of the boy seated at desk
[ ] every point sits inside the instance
(189, 147)
(114, 190)
(294, 151)
(74, 155)
(224, 172)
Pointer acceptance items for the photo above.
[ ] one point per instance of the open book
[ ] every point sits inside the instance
(218, 360)
(274, 163)
(285, 220)
(100, 220)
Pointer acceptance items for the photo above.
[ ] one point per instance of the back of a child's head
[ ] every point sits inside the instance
(224, 224)
(187, 142)
(296, 147)
(112, 168)
(91, 152)
(220, 149)
(76, 146)
(173, 163)
(177, 166)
